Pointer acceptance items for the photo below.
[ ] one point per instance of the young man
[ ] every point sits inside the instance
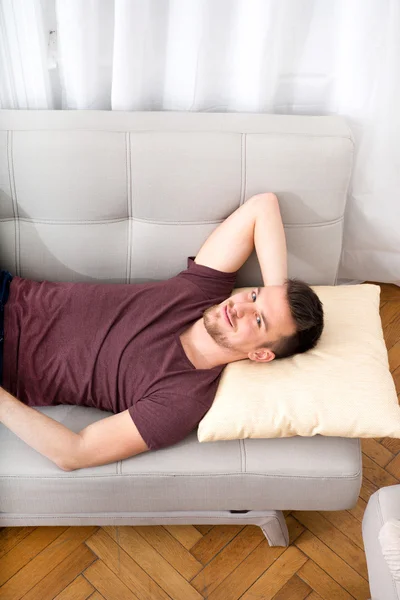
(151, 353)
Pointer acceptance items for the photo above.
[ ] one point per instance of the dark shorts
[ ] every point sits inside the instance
(5, 279)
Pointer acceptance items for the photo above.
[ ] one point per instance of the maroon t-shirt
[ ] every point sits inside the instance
(114, 347)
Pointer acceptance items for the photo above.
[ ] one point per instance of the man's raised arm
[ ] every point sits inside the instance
(270, 240)
(257, 223)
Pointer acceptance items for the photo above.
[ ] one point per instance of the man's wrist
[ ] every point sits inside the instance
(3, 403)
(4, 400)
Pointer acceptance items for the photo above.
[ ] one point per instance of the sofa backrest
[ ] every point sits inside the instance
(125, 197)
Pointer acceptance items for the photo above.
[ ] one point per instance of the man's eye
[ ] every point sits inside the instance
(258, 321)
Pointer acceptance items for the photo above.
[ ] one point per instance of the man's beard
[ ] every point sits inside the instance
(213, 327)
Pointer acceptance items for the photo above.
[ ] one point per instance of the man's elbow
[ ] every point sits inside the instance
(74, 459)
(266, 197)
(66, 467)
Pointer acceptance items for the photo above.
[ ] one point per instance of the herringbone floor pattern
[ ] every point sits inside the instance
(325, 558)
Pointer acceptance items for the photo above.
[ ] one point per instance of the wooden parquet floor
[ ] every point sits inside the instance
(325, 558)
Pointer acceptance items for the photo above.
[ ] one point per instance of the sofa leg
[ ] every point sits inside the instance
(275, 530)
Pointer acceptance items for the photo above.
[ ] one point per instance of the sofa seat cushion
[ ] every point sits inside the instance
(303, 473)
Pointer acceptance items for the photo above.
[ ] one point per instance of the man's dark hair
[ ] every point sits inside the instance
(307, 313)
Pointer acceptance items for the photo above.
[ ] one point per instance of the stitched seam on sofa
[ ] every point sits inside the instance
(153, 222)
(339, 260)
(303, 135)
(350, 169)
(11, 176)
(360, 458)
(243, 454)
(243, 168)
(268, 133)
(129, 200)
(158, 474)
(128, 516)
(176, 514)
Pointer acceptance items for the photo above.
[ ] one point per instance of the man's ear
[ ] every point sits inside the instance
(262, 355)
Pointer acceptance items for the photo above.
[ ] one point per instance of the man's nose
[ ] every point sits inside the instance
(240, 309)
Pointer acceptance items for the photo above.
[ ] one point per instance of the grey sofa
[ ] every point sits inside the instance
(126, 197)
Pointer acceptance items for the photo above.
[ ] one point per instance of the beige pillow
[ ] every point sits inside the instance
(343, 387)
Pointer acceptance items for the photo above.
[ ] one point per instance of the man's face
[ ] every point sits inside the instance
(249, 329)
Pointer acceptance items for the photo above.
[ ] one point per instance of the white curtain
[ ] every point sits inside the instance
(273, 56)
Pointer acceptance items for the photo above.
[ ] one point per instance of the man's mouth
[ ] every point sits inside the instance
(227, 316)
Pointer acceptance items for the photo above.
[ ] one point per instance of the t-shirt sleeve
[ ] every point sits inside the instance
(163, 420)
(211, 281)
